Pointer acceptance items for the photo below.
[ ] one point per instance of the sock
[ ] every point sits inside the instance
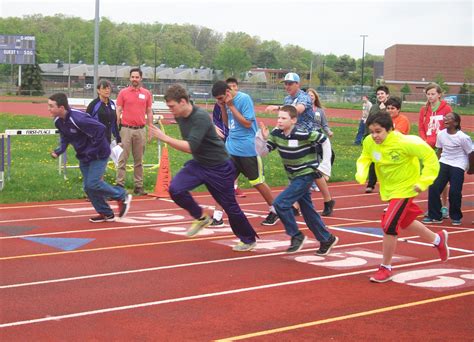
(437, 240)
(272, 209)
(388, 267)
(218, 215)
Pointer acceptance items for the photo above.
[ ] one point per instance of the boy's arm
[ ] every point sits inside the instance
(325, 165)
(363, 164)
(261, 145)
(430, 162)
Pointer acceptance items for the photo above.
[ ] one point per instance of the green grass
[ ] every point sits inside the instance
(35, 177)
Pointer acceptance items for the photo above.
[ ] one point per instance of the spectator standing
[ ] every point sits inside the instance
(134, 114)
(366, 105)
(400, 121)
(430, 122)
(454, 147)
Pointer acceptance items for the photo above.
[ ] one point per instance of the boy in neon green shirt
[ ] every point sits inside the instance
(397, 165)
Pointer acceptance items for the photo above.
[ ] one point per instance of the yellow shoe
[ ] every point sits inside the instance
(199, 224)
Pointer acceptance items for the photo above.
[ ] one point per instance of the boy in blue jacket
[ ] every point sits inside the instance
(87, 136)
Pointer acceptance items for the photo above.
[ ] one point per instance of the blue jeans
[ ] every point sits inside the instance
(360, 133)
(219, 180)
(298, 191)
(97, 190)
(455, 177)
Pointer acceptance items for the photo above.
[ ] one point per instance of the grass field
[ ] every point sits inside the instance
(35, 177)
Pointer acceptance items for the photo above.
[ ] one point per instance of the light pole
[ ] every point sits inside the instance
(363, 55)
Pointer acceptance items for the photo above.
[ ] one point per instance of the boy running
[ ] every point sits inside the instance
(397, 165)
(297, 148)
(210, 166)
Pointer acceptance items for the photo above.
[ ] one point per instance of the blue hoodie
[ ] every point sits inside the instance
(85, 134)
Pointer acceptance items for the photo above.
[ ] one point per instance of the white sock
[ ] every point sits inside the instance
(272, 209)
(388, 267)
(218, 215)
(437, 240)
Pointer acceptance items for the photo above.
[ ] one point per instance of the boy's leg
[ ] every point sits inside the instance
(220, 182)
(389, 245)
(440, 239)
(188, 178)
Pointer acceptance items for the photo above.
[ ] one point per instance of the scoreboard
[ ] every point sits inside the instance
(17, 49)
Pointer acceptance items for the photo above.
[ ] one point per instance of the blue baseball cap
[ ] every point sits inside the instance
(292, 77)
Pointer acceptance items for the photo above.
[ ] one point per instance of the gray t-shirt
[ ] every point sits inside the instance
(206, 146)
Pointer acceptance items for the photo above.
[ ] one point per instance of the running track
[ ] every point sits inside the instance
(63, 278)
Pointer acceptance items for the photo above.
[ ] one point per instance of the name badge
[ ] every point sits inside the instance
(292, 143)
(141, 96)
(377, 156)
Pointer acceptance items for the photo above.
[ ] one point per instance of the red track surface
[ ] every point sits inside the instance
(141, 279)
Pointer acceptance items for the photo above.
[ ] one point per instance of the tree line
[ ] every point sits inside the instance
(175, 45)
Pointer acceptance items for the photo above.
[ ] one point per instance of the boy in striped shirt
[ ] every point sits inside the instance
(297, 148)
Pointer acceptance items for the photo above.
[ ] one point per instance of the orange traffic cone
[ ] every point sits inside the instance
(163, 179)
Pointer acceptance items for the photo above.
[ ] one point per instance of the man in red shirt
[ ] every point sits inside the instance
(133, 103)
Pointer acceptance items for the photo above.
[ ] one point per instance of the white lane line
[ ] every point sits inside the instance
(216, 261)
(205, 295)
(59, 204)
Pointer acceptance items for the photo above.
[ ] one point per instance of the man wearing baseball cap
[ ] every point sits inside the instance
(299, 99)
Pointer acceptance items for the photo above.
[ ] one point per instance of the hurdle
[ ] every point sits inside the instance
(5, 147)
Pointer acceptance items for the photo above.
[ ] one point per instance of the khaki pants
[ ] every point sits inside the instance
(133, 140)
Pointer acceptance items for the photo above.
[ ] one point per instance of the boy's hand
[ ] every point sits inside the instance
(264, 130)
(156, 132)
(53, 155)
(271, 109)
(417, 189)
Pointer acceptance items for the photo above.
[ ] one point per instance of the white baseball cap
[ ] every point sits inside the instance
(292, 77)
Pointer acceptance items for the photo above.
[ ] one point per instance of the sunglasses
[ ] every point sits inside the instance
(289, 83)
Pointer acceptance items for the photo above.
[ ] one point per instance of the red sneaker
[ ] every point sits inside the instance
(239, 193)
(443, 249)
(382, 275)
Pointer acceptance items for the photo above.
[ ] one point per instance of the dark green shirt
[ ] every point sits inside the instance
(206, 146)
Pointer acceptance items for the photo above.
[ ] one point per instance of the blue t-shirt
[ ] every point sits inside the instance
(241, 140)
(305, 119)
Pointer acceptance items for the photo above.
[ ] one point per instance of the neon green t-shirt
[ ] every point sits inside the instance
(397, 165)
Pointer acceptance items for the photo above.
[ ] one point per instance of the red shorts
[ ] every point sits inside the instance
(401, 212)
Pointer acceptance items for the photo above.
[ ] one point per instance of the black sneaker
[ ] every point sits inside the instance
(124, 205)
(271, 219)
(217, 223)
(296, 243)
(140, 192)
(325, 247)
(369, 190)
(328, 208)
(102, 218)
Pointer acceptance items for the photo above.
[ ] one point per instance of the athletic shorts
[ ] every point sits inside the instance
(401, 212)
(250, 167)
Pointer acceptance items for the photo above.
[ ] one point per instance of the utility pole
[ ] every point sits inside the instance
(363, 55)
(96, 44)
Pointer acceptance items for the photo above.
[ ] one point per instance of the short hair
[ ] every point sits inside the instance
(219, 88)
(231, 80)
(383, 88)
(136, 70)
(61, 100)
(290, 109)
(176, 93)
(433, 86)
(104, 84)
(382, 118)
(394, 101)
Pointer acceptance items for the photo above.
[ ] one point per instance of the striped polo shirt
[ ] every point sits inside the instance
(297, 150)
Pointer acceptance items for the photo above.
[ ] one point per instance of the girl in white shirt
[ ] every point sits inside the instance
(454, 147)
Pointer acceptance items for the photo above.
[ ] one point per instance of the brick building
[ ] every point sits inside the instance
(417, 65)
